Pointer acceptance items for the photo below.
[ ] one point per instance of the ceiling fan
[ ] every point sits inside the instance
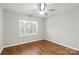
(42, 9)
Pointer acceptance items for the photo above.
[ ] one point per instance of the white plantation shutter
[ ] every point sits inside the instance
(28, 27)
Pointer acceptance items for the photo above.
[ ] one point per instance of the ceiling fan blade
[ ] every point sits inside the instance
(46, 14)
(51, 10)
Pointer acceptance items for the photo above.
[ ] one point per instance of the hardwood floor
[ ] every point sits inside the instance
(42, 47)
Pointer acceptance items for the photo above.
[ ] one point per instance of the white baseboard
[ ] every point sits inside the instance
(21, 43)
(41, 39)
(64, 45)
(1, 50)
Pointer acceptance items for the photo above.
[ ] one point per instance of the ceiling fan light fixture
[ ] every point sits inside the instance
(42, 12)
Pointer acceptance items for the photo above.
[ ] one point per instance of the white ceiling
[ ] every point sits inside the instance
(31, 8)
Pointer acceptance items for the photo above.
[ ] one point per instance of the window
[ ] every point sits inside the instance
(28, 27)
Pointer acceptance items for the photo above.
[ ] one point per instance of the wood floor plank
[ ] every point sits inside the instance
(41, 47)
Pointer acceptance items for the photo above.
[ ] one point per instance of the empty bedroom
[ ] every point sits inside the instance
(39, 28)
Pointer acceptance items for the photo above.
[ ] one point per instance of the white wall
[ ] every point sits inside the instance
(64, 28)
(11, 29)
(1, 28)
